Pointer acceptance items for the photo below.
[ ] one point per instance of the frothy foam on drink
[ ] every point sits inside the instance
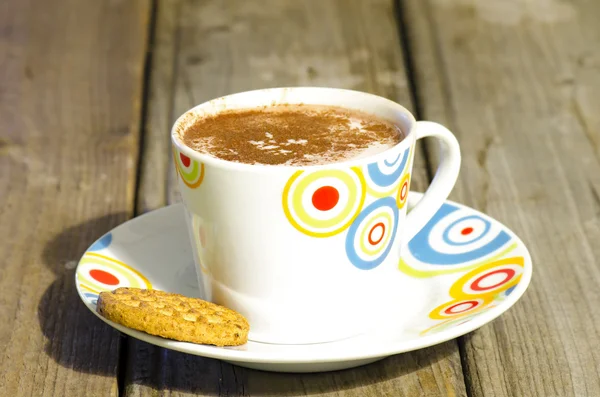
(289, 135)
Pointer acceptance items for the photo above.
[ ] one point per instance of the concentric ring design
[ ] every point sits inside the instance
(383, 175)
(453, 237)
(489, 279)
(456, 239)
(372, 234)
(97, 273)
(402, 195)
(479, 287)
(190, 170)
(324, 203)
(460, 307)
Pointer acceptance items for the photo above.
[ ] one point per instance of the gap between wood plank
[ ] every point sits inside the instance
(508, 90)
(69, 109)
(413, 86)
(409, 65)
(123, 360)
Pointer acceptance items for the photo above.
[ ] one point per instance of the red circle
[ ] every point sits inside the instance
(473, 305)
(380, 224)
(510, 273)
(403, 191)
(325, 198)
(104, 277)
(185, 160)
(466, 230)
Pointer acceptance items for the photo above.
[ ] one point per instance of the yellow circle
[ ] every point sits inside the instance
(457, 290)
(436, 313)
(356, 192)
(399, 201)
(386, 237)
(303, 185)
(132, 276)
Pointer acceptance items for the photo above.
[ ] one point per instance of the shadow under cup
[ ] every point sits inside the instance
(300, 275)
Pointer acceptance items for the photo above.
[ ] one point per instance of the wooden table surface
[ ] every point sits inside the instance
(89, 89)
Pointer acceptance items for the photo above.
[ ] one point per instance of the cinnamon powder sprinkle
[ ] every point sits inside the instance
(290, 134)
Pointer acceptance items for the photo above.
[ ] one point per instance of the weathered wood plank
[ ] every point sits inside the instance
(157, 172)
(519, 83)
(225, 47)
(69, 111)
(430, 372)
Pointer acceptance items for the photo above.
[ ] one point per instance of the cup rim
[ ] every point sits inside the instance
(211, 160)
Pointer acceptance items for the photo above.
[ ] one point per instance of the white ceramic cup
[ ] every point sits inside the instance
(300, 272)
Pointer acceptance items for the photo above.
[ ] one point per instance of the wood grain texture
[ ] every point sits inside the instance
(157, 171)
(224, 47)
(71, 78)
(519, 83)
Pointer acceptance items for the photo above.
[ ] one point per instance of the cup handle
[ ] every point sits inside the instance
(443, 181)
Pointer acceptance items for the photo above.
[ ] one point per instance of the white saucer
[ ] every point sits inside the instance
(476, 271)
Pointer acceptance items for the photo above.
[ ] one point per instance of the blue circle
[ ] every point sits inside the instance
(101, 243)
(385, 180)
(447, 240)
(353, 256)
(423, 251)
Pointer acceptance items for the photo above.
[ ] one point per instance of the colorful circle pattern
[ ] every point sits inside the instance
(372, 234)
(455, 237)
(402, 195)
(97, 273)
(476, 290)
(190, 171)
(459, 307)
(489, 279)
(324, 203)
(384, 175)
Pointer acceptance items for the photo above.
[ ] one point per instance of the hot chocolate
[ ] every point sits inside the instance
(290, 135)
